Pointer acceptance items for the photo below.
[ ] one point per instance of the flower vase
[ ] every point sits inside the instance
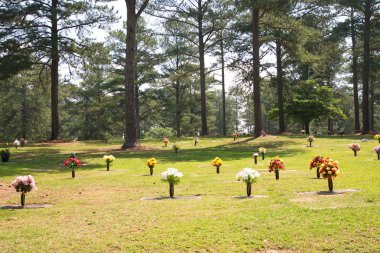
(108, 166)
(277, 174)
(16, 147)
(151, 170)
(217, 169)
(263, 155)
(22, 199)
(234, 138)
(255, 157)
(379, 140)
(355, 152)
(318, 173)
(166, 144)
(171, 190)
(249, 189)
(176, 150)
(309, 143)
(330, 181)
(73, 173)
(378, 156)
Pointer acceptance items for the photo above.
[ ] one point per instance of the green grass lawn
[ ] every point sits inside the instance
(102, 211)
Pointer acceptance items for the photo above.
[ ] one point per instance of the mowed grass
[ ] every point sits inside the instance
(102, 211)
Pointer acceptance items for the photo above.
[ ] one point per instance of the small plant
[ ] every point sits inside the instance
(173, 177)
(16, 143)
(24, 184)
(72, 163)
(275, 165)
(165, 141)
(262, 151)
(329, 170)
(377, 137)
(217, 162)
(355, 147)
(151, 162)
(255, 155)
(248, 176)
(234, 135)
(109, 159)
(316, 164)
(5, 154)
(310, 139)
(176, 148)
(377, 150)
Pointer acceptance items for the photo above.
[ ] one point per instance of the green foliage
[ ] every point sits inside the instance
(160, 132)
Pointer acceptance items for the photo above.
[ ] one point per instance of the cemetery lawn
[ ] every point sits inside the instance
(102, 211)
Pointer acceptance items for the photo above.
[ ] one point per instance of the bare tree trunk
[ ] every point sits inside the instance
(54, 74)
(130, 139)
(256, 70)
(366, 66)
(24, 116)
(177, 108)
(224, 127)
(137, 94)
(202, 75)
(372, 108)
(280, 88)
(355, 73)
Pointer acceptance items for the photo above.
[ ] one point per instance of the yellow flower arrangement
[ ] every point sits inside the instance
(262, 150)
(217, 162)
(109, 158)
(151, 162)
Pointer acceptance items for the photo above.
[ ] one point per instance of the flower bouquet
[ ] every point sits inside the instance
(173, 177)
(255, 155)
(262, 151)
(16, 143)
(217, 162)
(249, 176)
(316, 164)
(329, 170)
(310, 139)
(151, 162)
(377, 137)
(176, 148)
(109, 159)
(234, 135)
(355, 147)
(377, 150)
(5, 154)
(72, 163)
(165, 141)
(275, 165)
(24, 184)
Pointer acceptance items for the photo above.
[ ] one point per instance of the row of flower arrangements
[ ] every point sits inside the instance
(325, 166)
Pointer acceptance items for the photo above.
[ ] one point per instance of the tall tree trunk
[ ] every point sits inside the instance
(24, 116)
(256, 70)
(202, 75)
(330, 126)
(372, 107)
(280, 88)
(307, 129)
(224, 127)
(366, 65)
(54, 74)
(177, 108)
(355, 72)
(137, 94)
(130, 139)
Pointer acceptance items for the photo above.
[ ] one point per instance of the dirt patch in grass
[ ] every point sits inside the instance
(329, 193)
(32, 206)
(174, 198)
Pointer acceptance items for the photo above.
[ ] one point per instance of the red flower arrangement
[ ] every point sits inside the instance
(316, 164)
(355, 147)
(275, 165)
(71, 163)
